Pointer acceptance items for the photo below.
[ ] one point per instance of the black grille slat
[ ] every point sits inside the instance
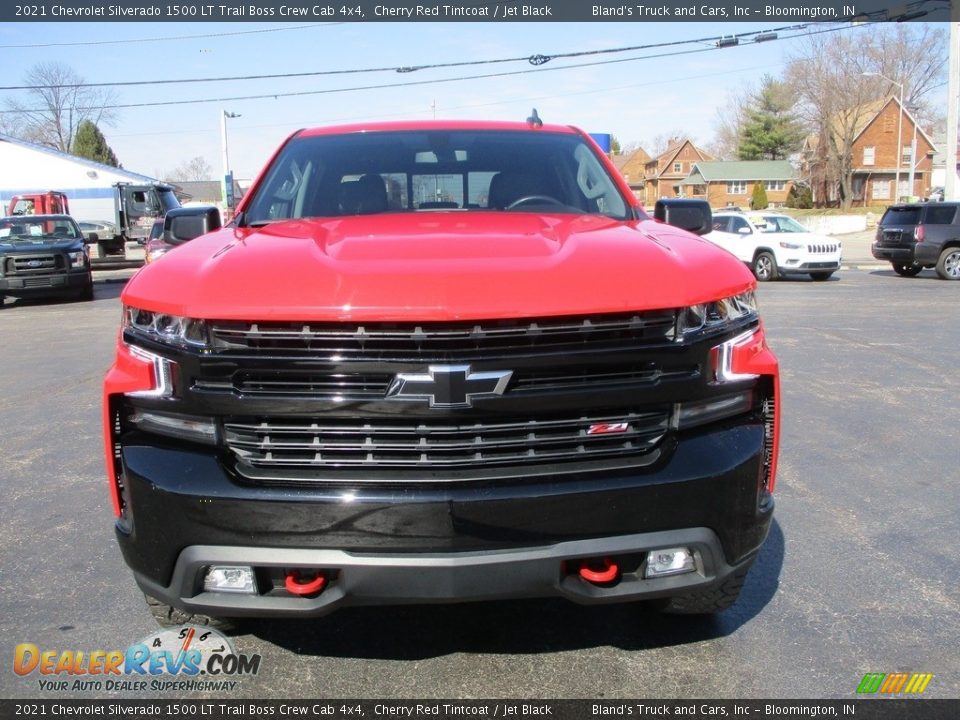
(397, 445)
(439, 340)
(27, 264)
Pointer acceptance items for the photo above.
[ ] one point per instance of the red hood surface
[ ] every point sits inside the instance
(436, 266)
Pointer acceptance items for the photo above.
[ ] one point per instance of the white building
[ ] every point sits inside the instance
(30, 168)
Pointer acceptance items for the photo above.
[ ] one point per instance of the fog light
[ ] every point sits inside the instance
(669, 561)
(230, 578)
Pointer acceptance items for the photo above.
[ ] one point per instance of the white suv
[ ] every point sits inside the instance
(772, 244)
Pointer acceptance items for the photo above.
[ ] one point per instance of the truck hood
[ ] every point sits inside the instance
(436, 266)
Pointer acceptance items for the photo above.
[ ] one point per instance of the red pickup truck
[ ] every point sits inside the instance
(440, 362)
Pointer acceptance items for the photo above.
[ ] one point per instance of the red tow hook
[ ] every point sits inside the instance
(296, 586)
(609, 573)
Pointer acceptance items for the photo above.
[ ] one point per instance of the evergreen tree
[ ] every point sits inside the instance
(770, 131)
(89, 143)
(758, 201)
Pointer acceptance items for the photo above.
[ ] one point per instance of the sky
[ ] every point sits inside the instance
(635, 99)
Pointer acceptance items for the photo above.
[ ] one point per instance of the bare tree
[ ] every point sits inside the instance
(55, 104)
(836, 99)
(729, 124)
(662, 142)
(196, 168)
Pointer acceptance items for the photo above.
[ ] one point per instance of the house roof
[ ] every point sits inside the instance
(631, 166)
(725, 170)
(665, 159)
(865, 115)
(75, 159)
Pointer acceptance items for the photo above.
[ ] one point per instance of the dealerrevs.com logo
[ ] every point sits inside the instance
(179, 659)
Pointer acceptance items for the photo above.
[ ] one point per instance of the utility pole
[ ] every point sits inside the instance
(227, 179)
(950, 189)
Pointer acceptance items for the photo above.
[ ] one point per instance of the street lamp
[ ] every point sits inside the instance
(227, 180)
(896, 192)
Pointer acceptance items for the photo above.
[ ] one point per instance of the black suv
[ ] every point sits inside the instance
(920, 235)
(44, 255)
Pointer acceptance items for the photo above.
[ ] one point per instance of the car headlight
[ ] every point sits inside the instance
(153, 253)
(77, 259)
(717, 314)
(790, 245)
(166, 328)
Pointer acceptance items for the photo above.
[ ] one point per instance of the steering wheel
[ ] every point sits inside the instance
(528, 199)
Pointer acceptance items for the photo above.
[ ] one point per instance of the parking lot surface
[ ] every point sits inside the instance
(859, 573)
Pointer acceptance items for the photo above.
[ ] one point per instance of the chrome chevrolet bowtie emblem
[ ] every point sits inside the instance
(449, 386)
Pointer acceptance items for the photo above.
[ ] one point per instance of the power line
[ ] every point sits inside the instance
(205, 36)
(535, 60)
(435, 81)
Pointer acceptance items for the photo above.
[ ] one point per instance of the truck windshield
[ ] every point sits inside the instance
(38, 228)
(435, 170)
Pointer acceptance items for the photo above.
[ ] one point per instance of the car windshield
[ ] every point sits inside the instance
(405, 171)
(780, 224)
(38, 229)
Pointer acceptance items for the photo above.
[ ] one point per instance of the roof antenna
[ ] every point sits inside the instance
(534, 120)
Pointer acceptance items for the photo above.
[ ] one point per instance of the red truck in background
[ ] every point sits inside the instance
(48, 203)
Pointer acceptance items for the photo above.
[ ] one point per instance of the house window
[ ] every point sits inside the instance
(881, 189)
(907, 154)
(776, 185)
(869, 153)
(678, 167)
(737, 187)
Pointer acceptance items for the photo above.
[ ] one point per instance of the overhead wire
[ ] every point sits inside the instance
(433, 81)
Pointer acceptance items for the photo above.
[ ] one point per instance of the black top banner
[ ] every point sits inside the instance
(481, 11)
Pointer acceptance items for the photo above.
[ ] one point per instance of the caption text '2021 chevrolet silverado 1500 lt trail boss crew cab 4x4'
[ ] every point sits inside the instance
(434, 362)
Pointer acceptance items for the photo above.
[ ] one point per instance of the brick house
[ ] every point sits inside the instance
(664, 173)
(632, 166)
(728, 183)
(874, 156)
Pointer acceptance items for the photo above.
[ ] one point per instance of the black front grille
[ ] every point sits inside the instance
(27, 264)
(290, 444)
(373, 385)
(821, 249)
(440, 341)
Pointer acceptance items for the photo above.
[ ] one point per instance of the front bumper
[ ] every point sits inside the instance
(29, 286)
(479, 541)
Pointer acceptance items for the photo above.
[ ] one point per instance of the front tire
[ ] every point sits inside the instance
(706, 602)
(169, 616)
(820, 276)
(765, 267)
(907, 270)
(948, 265)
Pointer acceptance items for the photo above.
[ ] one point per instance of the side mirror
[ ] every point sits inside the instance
(183, 224)
(691, 215)
(91, 238)
(745, 231)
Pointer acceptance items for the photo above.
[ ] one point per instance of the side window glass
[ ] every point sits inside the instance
(738, 224)
(940, 215)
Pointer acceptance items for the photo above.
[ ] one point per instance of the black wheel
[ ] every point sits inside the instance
(169, 616)
(948, 265)
(824, 275)
(86, 293)
(907, 270)
(765, 267)
(706, 602)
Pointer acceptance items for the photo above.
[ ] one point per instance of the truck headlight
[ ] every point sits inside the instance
(166, 328)
(715, 315)
(77, 259)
